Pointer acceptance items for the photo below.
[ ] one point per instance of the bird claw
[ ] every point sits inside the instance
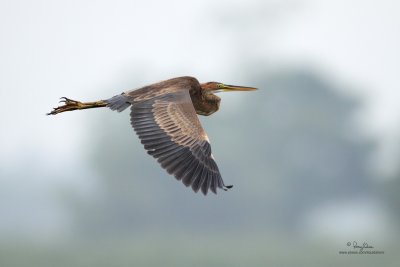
(67, 100)
(69, 105)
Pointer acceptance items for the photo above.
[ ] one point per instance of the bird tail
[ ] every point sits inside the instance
(118, 102)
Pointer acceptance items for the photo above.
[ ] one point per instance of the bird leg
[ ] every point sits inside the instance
(70, 105)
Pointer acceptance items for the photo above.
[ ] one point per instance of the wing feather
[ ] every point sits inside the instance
(170, 131)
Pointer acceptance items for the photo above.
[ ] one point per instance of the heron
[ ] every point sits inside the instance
(164, 116)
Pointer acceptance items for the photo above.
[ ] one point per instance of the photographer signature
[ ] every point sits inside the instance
(356, 246)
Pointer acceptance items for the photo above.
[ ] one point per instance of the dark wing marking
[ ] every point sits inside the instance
(170, 131)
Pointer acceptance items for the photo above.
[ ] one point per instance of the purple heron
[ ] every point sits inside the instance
(163, 115)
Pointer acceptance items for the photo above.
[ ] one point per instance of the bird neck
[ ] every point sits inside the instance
(205, 103)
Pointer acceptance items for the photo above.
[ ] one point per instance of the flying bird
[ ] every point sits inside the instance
(163, 115)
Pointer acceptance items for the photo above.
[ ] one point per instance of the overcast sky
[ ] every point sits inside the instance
(85, 48)
(357, 42)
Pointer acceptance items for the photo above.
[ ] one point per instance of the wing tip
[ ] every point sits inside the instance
(204, 190)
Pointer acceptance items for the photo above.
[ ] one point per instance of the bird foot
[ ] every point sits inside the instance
(69, 105)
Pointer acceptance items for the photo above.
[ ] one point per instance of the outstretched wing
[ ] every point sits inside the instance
(170, 131)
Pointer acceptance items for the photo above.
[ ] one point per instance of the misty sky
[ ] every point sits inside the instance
(83, 49)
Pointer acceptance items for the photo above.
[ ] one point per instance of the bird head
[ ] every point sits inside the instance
(216, 87)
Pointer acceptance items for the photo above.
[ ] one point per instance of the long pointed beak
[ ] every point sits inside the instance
(228, 88)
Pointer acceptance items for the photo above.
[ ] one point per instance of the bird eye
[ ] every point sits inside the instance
(220, 85)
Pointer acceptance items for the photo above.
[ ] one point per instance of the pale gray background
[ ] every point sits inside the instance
(313, 155)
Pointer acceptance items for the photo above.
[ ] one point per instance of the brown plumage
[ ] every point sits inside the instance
(164, 117)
